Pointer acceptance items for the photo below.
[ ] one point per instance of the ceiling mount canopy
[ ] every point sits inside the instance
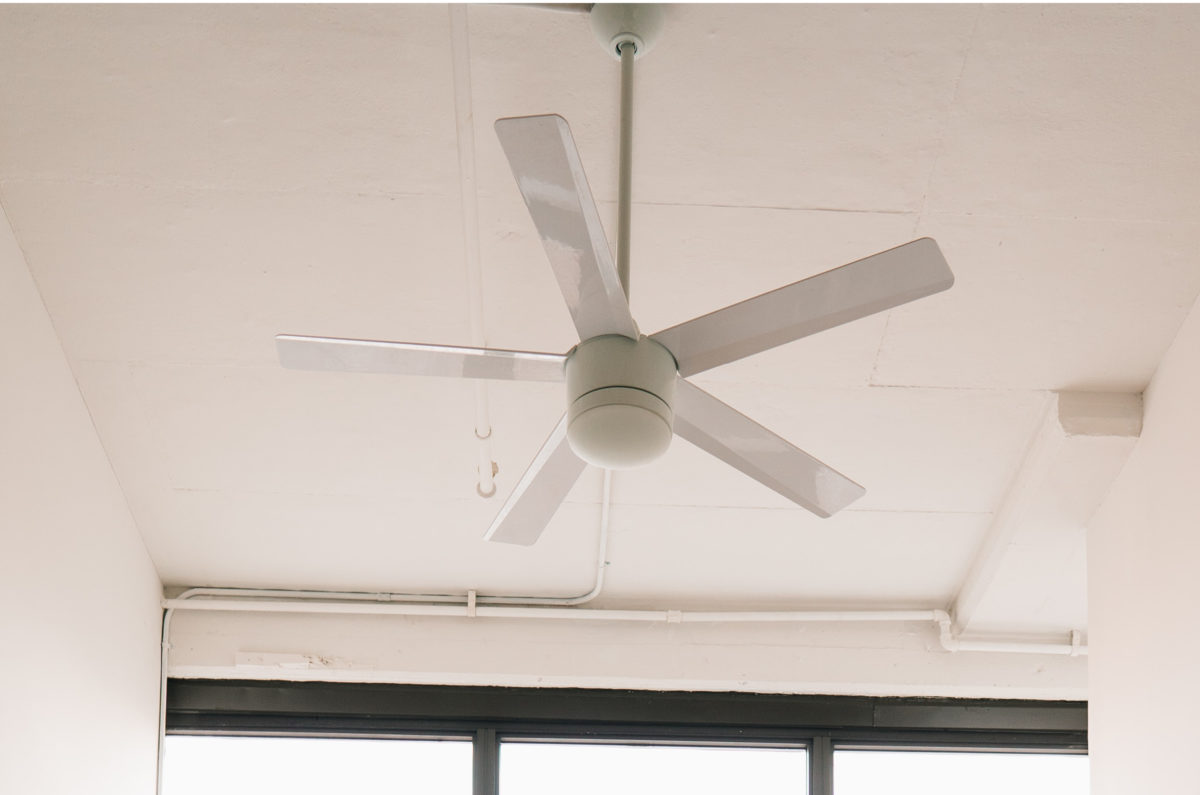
(615, 24)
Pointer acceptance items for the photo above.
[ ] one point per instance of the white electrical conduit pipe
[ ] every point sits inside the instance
(244, 605)
(464, 119)
(240, 604)
(1073, 647)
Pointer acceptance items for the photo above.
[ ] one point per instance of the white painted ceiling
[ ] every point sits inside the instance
(188, 181)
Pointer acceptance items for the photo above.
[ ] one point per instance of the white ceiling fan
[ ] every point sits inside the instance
(627, 393)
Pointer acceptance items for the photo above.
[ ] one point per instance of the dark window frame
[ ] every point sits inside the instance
(489, 715)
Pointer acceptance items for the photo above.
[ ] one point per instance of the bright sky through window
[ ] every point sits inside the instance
(203, 765)
(315, 766)
(958, 772)
(557, 768)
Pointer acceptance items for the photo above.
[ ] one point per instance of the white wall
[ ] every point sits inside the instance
(1144, 594)
(79, 617)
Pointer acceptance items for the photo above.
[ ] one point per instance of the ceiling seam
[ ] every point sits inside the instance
(636, 505)
(207, 188)
(117, 182)
(781, 207)
(943, 387)
(940, 149)
(887, 322)
(1187, 221)
(945, 121)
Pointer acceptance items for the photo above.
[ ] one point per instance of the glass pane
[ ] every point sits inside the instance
(956, 772)
(558, 768)
(314, 766)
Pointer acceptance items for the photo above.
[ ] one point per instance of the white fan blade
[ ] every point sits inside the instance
(829, 299)
(770, 459)
(549, 173)
(410, 358)
(540, 491)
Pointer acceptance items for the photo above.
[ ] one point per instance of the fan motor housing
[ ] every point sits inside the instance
(620, 395)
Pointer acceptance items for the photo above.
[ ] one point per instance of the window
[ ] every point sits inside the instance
(237, 765)
(899, 771)
(310, 737)
(554, 768)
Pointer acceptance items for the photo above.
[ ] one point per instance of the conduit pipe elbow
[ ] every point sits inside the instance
(946, 631)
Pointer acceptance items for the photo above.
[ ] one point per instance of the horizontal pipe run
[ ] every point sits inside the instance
(806, 616)
(562, 613)
(1073, 648)
(350, 603)
(1015, 647)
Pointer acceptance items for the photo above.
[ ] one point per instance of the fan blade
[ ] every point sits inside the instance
(829, 299)
(549, 173)
(410, 358)
(540, 491)
(770, 459)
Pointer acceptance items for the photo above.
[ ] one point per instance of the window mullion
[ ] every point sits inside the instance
(485, 757)
(820, 766)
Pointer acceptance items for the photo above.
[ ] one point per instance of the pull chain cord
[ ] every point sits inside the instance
(625, 168)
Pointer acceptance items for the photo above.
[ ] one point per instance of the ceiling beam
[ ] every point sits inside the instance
(1080, 446)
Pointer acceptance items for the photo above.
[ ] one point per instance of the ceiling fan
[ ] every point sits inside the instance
(628, 393)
